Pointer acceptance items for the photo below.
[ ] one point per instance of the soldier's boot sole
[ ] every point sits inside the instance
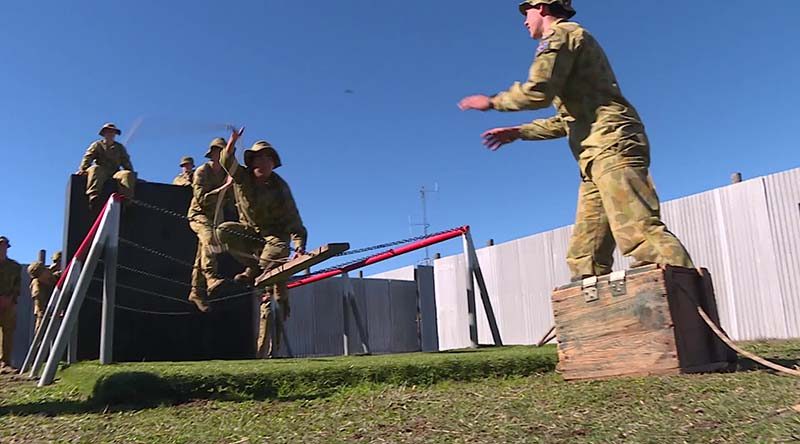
(200, 302)
(213, 284)
(248, 276)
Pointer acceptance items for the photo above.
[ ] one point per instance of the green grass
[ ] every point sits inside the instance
(491, 395)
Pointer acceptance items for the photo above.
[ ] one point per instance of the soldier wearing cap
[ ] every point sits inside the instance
(43, 282)
(10, 281)
(267, 211)
(207, 187)
(55, 267)
(184, 179)
(104, 159)
(617, 201)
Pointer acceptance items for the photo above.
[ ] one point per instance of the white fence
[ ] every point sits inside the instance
(746, 234)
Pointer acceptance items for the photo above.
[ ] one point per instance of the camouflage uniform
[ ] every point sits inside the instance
(43, 282)
(55, 267)
(267, 211)
(617, 202)
(201, 215)
(10, 277)
(107, 159)
(185, 178)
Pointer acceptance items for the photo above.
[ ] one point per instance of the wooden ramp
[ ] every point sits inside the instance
(289, 269)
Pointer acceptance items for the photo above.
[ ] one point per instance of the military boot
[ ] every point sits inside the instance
(638, 264)
(248, 276)
(213, 282)
(199, 298)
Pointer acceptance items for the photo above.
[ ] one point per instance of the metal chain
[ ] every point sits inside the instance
(155, 252)
(147, 292)
(154, 276)
(391, 244)
(136, 310)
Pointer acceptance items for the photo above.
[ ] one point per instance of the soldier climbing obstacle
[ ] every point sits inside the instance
(102, 161)
(617, 201)
(267, 211)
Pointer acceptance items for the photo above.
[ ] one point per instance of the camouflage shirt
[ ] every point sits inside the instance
(109, 157)
(183, 179)
(42, 287)
(10, 278)
(204, 182)
(268, 207)
(571, 72)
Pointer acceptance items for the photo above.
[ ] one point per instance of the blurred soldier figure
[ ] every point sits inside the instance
(108, 157)
(42, 284)
(207, 186)
(10, 277)
(184, 179)
(268, 221)
(55, 268)
(617, 201)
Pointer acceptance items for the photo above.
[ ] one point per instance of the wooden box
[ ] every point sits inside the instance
(640, 322)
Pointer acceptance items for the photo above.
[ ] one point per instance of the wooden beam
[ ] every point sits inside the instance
(289, 269)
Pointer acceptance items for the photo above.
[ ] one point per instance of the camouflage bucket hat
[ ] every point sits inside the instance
(219, 143)
(35, 268)
(565, 4)
(56, 257)
(185, 160)
(262, 146)
(5, 239)
(110, 126)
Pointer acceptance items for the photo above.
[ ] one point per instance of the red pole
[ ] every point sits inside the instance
(382, 256)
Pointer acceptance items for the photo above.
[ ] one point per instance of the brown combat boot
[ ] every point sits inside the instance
(213, 283)
(248, 276)
(199, 299)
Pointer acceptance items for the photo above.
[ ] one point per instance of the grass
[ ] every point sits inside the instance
(490, 395)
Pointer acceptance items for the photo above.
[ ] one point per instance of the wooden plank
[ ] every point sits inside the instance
(289, 269)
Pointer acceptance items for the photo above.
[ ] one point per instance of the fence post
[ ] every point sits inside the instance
(470, 286)
(109, 285)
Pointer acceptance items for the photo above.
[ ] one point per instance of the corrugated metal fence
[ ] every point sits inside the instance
(746, 234)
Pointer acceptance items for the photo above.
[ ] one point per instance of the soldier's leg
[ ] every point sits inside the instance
(96, 177)
(591, 247)
(8, 322)
(264, 326)
(274, 254)
(630, 200)
(126, 181)
(242, 243)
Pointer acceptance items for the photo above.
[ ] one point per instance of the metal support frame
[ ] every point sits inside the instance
(110, 253)
(473, 273)
(349, 306)
(108, 225)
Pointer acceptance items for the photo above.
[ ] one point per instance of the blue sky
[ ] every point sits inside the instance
(717, 89)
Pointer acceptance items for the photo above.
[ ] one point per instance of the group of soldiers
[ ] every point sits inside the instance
(43, 281)
(617, 201)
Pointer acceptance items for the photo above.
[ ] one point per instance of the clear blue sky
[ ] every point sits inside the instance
(715, 83)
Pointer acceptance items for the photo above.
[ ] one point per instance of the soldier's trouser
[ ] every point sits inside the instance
(8, 322)
(205, 262)
(266, 343)
(39, 307)
(97, 177)
(620, 207)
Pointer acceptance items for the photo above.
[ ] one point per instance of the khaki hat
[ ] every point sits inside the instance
(110, 126)
(35, 268)
(262, 145)
(219, 142)
(5, 239)
(56, 257)
(185, 160)
(565, 4)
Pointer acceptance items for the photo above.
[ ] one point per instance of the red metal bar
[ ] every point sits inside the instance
(83, 249)
(382, 256)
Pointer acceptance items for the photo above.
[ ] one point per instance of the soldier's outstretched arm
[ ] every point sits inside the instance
(228, 157)
(546, 80)
(544, 129)
(88, 158)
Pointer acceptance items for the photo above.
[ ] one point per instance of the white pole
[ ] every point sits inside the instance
(470, 285)
(487, 303)
(346, 313)
(110, 285)
(74, 307)
(39, 334)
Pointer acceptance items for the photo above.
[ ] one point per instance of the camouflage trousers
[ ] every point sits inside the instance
(97, 177)
(241, 241)
(39, 307)
(8, 323)
(205, 261)
(620, 207)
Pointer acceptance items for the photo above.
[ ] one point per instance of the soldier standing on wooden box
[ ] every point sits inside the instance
(207, 189)
(107, 159)
(43, 282)
(268, 221)
(184, 179)
(10, 277)
(617, 201)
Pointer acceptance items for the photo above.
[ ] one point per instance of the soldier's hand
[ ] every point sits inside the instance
(81, 172)
(497, 137)
(479, 102)
(235, 135)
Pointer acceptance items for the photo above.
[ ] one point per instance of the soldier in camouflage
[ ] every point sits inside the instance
(10, 281)
(617, 201)
(184, 179)
(103, 160)
(207, 187)
(55, 267)
(43, 282)
(268, 221)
